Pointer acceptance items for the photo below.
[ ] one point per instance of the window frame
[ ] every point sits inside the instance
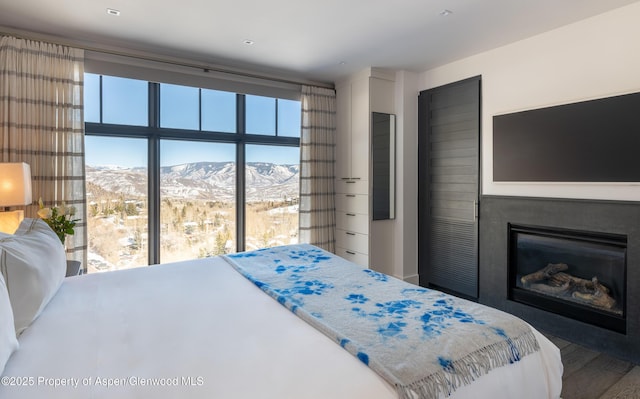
(154, 133)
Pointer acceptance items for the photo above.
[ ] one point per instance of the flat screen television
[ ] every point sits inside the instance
(589, 141)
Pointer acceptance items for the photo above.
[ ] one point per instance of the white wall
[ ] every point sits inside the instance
(405, 240)
(593, 58)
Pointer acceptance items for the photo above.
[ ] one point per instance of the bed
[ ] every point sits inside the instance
(210, 328)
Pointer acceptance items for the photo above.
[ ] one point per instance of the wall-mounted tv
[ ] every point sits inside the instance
(589, 141)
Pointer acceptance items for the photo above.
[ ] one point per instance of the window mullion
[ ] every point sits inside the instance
(240, 174)
(154, 175)
(277, 117)
(100, 88)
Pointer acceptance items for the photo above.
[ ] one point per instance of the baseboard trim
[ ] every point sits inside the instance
(413, 279)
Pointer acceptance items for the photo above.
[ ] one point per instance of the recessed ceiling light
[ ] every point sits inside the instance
(111, 11)
(342, 63)
(249, 42)
(444, 13)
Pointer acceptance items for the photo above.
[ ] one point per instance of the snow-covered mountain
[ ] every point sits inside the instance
(202, 180)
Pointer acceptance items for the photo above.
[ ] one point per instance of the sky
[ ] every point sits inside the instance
(125, 102)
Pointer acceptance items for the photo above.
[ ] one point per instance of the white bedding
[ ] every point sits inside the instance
(202, 326)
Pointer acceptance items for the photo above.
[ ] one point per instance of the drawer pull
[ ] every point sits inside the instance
(351, 214)
(350, 182)
(351, 195)
(350, 233)
(350, 252)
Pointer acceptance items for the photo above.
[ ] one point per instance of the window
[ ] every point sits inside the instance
(164, 178)
(261, 115)
(289, 118)
(124, 101)
(197, 199)
(273, 116)
(117, 205)
(272, 196)
(179, 107)
(219, 111)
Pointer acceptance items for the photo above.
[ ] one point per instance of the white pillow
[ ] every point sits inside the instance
(8, 341)
(33, 263)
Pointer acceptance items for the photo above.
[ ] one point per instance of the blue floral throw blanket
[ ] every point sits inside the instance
(425, 343)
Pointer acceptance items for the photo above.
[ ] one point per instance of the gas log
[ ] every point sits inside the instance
(543, 274)
(553, 280)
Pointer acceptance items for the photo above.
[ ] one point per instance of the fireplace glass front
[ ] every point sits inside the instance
(581, 275)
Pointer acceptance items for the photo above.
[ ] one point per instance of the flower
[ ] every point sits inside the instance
(59, 219)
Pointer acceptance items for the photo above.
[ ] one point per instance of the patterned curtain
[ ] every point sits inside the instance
(317, 147)
(41, 123)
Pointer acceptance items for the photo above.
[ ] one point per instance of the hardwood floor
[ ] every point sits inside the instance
(593, 375)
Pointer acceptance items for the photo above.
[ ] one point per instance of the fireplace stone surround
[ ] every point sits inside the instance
(612, 217)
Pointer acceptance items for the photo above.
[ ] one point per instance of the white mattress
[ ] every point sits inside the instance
(202, 326)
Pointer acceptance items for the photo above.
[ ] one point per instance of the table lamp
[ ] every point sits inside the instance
(15, 190)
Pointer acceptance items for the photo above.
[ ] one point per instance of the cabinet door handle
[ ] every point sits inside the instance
(350, 233)
(351, 195)
(350, 252)
(476, 210)
(351, 214)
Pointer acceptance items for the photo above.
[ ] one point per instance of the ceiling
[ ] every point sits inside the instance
(320, 41)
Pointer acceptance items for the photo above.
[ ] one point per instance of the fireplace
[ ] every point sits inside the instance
(501, 217)
(576, 274)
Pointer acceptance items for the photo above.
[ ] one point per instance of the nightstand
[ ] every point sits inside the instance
(73, 268)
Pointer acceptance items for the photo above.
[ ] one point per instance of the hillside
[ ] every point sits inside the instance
(201, 180)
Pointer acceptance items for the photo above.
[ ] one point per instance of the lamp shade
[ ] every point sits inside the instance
(15, 184)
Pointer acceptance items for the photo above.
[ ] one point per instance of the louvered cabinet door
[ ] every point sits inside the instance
(449, 187)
